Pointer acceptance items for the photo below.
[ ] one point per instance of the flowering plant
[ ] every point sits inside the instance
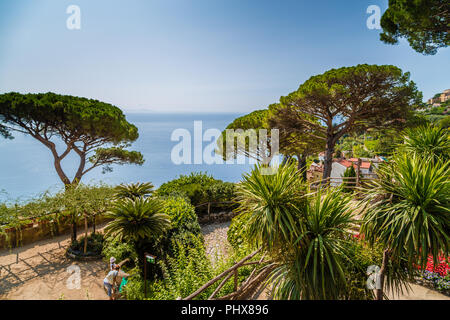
(438, 276)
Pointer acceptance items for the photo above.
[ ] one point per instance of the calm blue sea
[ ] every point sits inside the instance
(26, 168)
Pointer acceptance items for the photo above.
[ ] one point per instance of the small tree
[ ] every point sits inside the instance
(408, 212)
(351, 99)
(291, 142)
(83, 202)
(96, 131)
(138, 221)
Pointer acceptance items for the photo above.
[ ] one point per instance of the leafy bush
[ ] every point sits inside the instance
(362, 256)
(185, 272)
(349, 184)
(200, 188)
(360, 152)
(180, 211)
(94, 244)
(119, 250)
(236, 232)
(184, 183)
(184, 225)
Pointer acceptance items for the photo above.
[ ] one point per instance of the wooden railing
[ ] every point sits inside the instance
(350, 182)
(209, 203)
(233, 271)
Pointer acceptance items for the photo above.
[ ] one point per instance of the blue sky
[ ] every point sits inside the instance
(194, 56)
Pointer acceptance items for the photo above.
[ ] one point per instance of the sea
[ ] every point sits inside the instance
(26, 166)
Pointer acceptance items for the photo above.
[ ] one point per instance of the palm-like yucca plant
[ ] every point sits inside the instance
(273, 204)
(134, 190)
(314, 266)
(137, 221)
(428, 141)
(408, 210)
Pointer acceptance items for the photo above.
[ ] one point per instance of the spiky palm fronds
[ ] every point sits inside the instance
(408, 208)
(428, 141)
(273, 203)
(134, 190)
(137, 219)
(315, 264)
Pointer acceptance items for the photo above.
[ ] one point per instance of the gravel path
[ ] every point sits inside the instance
(216, 240)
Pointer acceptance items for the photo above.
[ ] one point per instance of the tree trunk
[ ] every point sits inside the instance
(381, 275)
(74, 232)
(328, 161)
(93, 224)
(80, 172)
(140, 251)
(85, 233)
(301, 165)
(358, 172)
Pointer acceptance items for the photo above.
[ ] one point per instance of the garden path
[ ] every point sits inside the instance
(38, 271)
(216, 240)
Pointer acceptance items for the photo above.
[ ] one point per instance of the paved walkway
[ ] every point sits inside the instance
(40, 271)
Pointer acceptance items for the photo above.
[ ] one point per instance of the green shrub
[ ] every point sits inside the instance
(119, 250)
(362, 256)
(360, 152)
(200, 188)
(236, 232)
(185, 226)
(180, 211)
(184, 271)
(94, 244)
(184, 183)
(347, 184)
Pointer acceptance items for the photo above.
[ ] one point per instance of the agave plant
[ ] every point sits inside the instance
(408, 211)
(134, 190)
(273, 204)
(428, 141)
(314, 266)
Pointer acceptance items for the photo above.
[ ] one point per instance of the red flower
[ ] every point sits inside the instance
(442, 268)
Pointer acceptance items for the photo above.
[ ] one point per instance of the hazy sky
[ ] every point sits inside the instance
(197, 55)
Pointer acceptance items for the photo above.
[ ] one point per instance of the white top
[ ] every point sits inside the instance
(111, 277)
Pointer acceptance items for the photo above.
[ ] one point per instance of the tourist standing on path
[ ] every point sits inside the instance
(110, 281)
